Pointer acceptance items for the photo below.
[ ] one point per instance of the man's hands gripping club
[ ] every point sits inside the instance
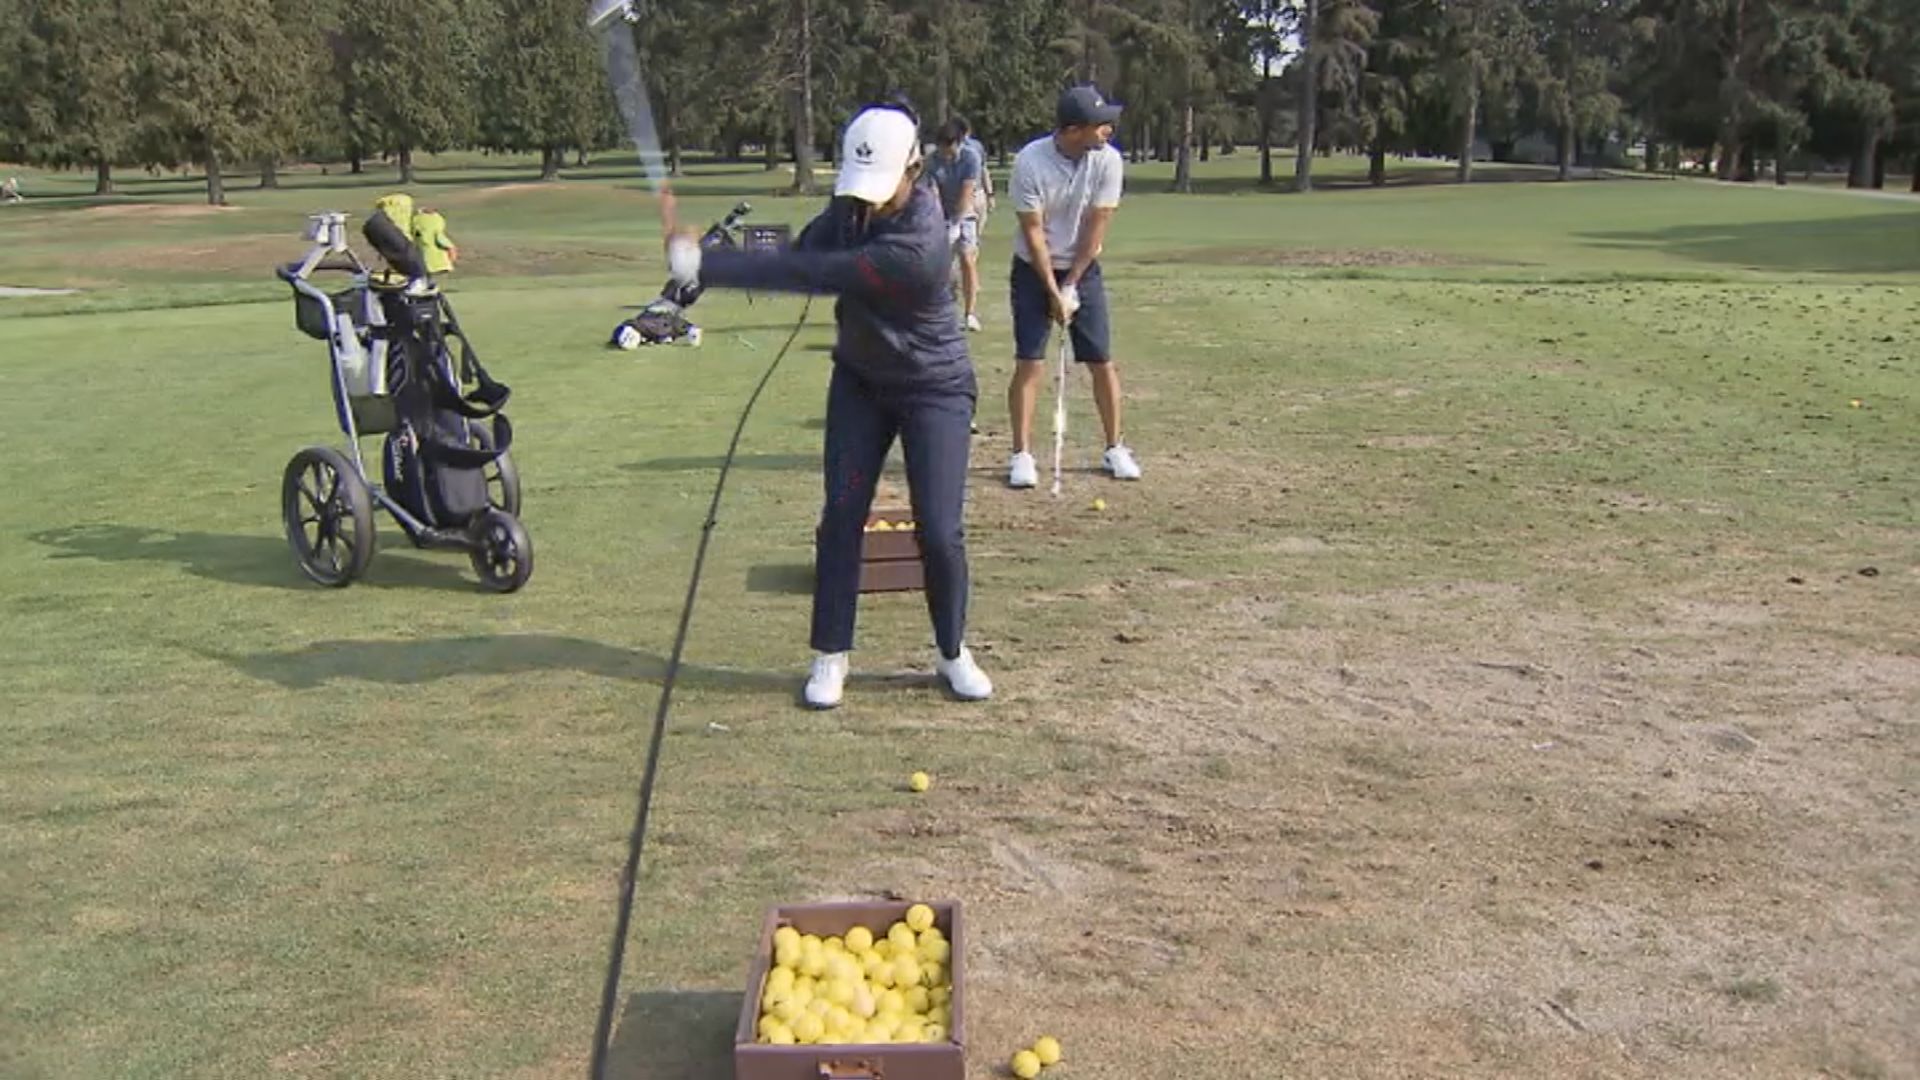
(1066, 303)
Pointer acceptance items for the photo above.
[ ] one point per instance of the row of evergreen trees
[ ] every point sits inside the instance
(232, 85)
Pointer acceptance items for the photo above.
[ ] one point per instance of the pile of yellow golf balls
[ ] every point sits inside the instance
(859, 988)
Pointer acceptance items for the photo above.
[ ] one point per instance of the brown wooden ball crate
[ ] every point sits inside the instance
(890, 561)
(853, 1061)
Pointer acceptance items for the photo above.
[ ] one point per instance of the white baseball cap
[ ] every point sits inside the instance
(879, 147)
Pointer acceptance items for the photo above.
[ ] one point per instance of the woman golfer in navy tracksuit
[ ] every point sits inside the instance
(900, 369)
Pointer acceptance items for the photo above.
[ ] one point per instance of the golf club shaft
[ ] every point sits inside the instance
(630, 91)
(1060, 408)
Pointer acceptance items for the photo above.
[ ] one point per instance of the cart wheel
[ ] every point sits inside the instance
(503, 480)
(502, 553)
(329, 516)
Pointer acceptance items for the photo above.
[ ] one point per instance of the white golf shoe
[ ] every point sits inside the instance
(964, 676)
(1120, 464)
(828, 680)
(1024, 472)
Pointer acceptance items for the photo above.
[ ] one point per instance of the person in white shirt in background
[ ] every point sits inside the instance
(1065, 189)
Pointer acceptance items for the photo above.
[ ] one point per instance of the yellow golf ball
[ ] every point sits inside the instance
(920, 781)
(1099, 504)
(919, 918)
(1047, 1049)
(1025, 1065)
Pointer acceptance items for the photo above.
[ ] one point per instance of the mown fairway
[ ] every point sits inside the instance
(1506, 668)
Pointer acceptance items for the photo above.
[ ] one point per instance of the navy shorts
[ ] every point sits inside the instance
(1090, 329)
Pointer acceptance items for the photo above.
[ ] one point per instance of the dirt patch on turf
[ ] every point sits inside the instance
(152, 211)
(1471, 828)
(236, 255)
(1307, 257)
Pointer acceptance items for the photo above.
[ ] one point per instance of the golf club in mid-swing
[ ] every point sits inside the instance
(629, 85)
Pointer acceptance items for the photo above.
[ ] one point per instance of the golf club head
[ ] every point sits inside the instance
(603, 12)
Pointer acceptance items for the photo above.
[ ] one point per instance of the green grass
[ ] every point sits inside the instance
(253, 827)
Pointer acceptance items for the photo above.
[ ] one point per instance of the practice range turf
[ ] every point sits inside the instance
(1506, 667)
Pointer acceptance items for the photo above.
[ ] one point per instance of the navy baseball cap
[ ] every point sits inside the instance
(1085, 105)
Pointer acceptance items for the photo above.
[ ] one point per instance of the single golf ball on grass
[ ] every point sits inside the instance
(919, 782)
(1099, 504)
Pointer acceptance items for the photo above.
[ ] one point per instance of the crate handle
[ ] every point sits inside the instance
(856, 1070)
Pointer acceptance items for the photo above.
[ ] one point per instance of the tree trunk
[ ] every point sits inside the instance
(406, 164)
(216, 188)
(550, 158)
(1309, 99)
(1266, 119)
(1879, 170)
(1087, 69)
(269, 173)
(670, 128)
(1568, 151)
(773, 151)
(1781, 152)
(1729, 156)
(1377, 167)
(354, 165)
(1747, 164)
(1860, 168)
(1916, 172)
(102, 177)
(803, 106)
(942, 62)
(580, 159)
(1468, 116)
(1183, 160)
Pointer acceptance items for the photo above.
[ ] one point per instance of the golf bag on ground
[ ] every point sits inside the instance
(444, 438)
(664, 320)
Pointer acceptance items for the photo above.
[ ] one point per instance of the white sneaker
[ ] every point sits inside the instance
(828, 680)
(964, 676)
(1119, 462)
(1024, 473)
(973, 323)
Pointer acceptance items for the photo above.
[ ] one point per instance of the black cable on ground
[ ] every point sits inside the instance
(609, 996)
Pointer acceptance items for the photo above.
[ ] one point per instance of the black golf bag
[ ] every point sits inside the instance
(445, 436)
(664, 320)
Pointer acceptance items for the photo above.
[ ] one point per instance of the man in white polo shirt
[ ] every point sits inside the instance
(1065, 188)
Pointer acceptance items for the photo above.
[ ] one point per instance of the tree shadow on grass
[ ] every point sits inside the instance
(257, 561)
(1862, 244)
(675, 1035)
(1396, 179)
(415, 661)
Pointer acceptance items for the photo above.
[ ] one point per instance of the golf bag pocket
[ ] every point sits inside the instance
(310, 316)
(436, 470)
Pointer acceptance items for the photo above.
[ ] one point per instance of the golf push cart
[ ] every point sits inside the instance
(448, 478)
